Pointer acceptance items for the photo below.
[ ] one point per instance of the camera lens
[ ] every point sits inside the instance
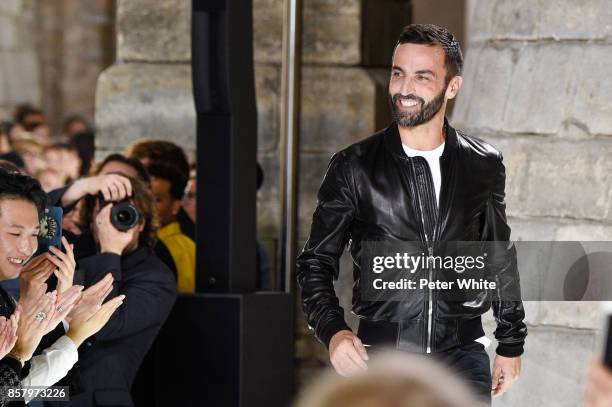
(124, 216)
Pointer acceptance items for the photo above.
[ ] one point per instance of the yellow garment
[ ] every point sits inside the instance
(183, 252)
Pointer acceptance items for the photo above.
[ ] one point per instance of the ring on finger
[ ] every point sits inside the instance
(40, 316)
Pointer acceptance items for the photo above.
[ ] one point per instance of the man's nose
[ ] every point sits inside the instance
(407, 86)
(27, 246)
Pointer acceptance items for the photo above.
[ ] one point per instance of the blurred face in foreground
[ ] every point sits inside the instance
(19, 228)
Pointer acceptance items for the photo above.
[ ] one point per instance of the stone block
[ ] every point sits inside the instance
(518, 20)
(565, 178)
(338, 108)
(499, 19)
(568, 19)
(331, 31)
(481, 100)
(154, 30)
(267, 89)
(572, 314)
(8, 35)
(584, 232)
(268, 21)
(554, 368)
(11, 8)
(510, 88)
(136, 101)
(539, 88)
(589, 102)
(22, 82)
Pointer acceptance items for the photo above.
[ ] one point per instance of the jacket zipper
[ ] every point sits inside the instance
(430, 253)
(430, 311)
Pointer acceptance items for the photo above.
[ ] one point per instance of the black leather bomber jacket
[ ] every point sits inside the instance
(370, 191)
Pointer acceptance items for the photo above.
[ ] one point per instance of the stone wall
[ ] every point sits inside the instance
(51, 53)
(74, 43)
(19, 76)
(536, 86)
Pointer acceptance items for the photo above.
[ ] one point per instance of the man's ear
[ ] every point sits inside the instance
(141, 226)
(453, 87)
(176, 206)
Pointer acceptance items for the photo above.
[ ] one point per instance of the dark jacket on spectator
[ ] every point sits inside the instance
(109, 360)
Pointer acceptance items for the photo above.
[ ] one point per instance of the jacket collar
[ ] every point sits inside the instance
(133, 258)
(394, 142)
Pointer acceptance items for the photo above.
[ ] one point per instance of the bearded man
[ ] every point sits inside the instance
(418, 180)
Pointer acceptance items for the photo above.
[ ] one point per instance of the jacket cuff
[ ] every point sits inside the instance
(13, 364)
(510, 350)
(331, 329)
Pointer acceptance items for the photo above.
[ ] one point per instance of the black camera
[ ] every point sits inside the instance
(124, 215)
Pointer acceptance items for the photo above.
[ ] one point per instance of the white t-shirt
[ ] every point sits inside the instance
(433, 160)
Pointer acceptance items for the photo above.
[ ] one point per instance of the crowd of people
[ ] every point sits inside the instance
(85, 312)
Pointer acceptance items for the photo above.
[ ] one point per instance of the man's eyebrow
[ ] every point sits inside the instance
(13, 225)
(396, 68)
(426, 71)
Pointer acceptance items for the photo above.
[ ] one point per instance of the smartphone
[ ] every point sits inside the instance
(50, 229)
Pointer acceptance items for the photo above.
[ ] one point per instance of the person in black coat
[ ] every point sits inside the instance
(109, 360)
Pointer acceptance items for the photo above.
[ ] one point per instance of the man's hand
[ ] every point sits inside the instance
(41, 316)
(505, 372)
(83, 326)
(347, 354)
(32, 278)
(114, 187)
(64, 263)
(92, 299)
(598, 385)
(8, 333)
(111, 240)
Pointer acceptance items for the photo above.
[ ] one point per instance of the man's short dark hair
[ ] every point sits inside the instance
(430, 34)
(177, 180)
(143, 175)
(15, 185)
(160, 151)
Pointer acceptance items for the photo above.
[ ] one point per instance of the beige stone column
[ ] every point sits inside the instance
(147, 92)
(19, 76)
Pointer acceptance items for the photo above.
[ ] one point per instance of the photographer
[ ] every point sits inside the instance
(108, 362)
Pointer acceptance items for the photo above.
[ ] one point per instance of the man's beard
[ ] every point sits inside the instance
(423, 115)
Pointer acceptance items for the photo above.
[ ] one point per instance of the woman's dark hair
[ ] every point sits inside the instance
(132, 162)
(430, 34)
(15, 185)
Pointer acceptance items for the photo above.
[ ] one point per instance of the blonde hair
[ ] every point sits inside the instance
(392, 380)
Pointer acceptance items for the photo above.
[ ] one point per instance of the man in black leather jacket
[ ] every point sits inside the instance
(418, 180)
